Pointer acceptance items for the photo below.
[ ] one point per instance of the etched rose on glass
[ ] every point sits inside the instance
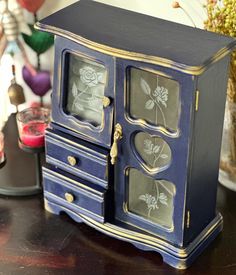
(90, 77)
(161, 94)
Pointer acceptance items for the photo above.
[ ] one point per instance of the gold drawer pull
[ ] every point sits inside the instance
(106, 101)
(72, 160)
(114, 149)
(69, 197)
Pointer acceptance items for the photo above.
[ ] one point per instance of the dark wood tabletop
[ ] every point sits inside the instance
(33, 241)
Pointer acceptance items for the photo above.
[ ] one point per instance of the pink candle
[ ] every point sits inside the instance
(33, 133)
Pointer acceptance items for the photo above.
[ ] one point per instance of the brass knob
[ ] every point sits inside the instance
(69, 197)
(72, 160)
(106, 101)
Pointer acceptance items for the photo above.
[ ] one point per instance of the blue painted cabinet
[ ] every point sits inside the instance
(137, 116)
(155, 109)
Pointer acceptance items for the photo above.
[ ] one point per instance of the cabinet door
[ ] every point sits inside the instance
(153, 108)
(83, 92)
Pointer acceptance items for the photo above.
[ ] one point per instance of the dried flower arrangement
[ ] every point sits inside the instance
(222, 19)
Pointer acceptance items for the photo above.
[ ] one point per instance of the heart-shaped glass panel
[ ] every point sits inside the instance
(153, 150)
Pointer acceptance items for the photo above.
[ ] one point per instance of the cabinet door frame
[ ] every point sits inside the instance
(102, 134)
(180, 143)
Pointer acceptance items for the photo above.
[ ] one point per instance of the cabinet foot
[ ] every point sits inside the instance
(57, 210)
(180, 258)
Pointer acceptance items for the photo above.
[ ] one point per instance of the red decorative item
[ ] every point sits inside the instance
(31, 5)
(32, 123)
(33, 134)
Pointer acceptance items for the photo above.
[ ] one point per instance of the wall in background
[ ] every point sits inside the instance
(162, 9)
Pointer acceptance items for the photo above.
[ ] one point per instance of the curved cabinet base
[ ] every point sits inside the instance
(180, 258)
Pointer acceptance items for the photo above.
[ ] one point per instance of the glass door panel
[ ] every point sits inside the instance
(83, 97)
(155, 153)
(153, 98)
(86, 85)
(151, 199)
(151, 167)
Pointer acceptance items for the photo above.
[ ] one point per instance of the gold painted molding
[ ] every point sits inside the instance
(192, 70)
(153, 242)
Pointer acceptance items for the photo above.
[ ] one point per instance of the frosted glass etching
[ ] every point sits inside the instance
(86, 86)
(151, 199)
(154, 98)
(154, 151)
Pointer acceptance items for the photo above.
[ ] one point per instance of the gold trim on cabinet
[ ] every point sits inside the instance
(193, 70)
(55, 175)
(188, 219)
(86, 151)
(197, 100)
(152, 241)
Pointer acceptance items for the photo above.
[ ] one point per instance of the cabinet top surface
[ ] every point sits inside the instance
(133, 35)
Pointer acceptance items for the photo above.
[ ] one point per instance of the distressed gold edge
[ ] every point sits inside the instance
(193, 70)
(152, 242)
(98, 181)
(52, 196)
(188, 219)
(197, 100)
(86, 151)
(56, 175)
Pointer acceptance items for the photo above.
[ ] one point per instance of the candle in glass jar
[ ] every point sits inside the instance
(33, 132)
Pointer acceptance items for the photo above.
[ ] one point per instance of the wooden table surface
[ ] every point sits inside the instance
(33, 241)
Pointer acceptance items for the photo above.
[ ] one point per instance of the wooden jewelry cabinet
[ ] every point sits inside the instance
(137, 116)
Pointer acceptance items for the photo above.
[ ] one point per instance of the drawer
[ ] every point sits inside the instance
(76, 157)
(75, 195)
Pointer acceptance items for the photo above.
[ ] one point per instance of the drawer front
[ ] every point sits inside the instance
(77, 159)
(74, 195)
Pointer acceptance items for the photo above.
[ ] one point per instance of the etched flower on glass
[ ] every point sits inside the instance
(154, 150)
(150, 148)
(152, 201)
(158, 98)
(161, 95)
(90, 77)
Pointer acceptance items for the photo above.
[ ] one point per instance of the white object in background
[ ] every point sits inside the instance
(225, 180)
